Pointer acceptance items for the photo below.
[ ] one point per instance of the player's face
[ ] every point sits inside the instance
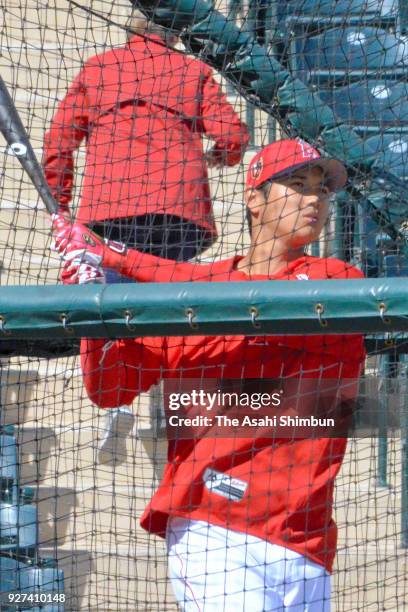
(296, 208)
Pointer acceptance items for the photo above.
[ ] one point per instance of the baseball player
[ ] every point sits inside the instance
(248, 522)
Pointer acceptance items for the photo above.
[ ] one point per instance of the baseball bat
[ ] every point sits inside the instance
(19, 145)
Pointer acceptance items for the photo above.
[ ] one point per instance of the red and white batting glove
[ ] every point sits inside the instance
(74, 241)
(77, 273)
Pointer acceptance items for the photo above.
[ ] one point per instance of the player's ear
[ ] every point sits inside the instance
(255, 200)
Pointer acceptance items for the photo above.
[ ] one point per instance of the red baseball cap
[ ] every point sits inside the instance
(285, 156)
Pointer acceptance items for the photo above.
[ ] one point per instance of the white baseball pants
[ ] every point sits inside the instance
(213, 569)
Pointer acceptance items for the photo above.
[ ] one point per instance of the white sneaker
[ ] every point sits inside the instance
(118, 424)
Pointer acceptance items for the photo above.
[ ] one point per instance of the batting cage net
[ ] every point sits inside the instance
(192, 136)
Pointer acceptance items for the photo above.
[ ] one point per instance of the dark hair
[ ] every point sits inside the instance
(139, 23)
(264, 189)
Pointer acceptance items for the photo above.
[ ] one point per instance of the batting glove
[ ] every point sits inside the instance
(77, 273)
(74, 241)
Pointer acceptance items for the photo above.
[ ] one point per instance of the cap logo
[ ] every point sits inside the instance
(257, 168)
(308, 152)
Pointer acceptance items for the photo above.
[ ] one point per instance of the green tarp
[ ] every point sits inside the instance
(166, 309)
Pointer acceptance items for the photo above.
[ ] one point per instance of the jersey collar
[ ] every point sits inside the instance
(283, 273)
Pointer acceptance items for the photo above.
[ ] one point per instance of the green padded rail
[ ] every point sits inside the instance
(182, 309)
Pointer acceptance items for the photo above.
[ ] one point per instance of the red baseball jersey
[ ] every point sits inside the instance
(284, 488)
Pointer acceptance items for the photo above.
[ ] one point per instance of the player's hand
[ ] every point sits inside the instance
(74, 241)
(65, 212)
(77, 273)
(215, 158)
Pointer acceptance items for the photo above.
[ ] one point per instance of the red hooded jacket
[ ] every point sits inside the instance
(143, 109)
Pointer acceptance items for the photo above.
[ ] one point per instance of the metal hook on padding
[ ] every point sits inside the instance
(254, 312)
(319, 308)
(128, 316)
(190, 314)
(2, 328)
(64, 317)
(382, 309)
